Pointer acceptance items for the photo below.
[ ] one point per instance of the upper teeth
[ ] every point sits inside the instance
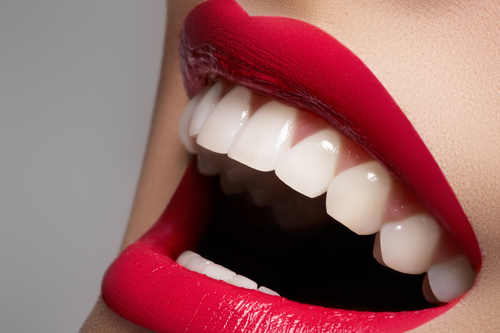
(312, 158)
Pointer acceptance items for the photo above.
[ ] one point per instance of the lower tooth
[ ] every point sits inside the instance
(244, 282)
(218, 272)
(450, 280)
(197, 263)
(408, 246)
(185, 256)
(357, 197)
(266, 290)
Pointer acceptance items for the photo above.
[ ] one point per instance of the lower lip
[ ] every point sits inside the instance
(146, 286)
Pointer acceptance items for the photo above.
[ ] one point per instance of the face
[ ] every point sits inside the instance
(438, 61)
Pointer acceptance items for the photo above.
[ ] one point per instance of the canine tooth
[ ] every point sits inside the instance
(218, 272)
(243, 281)
(357, 197)
(197, 264)
(209, 163)
(185, 257)
(225, 121)
(450, 280)
(265, 137)
(205, 106)
(266, 290)
(408, 246)
(187, 115)
(309, 166)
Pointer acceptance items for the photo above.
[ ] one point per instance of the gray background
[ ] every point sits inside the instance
(77, 87)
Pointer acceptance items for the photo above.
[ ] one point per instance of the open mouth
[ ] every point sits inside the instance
(322, 173)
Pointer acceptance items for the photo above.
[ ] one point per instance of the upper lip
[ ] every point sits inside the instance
(271, 56)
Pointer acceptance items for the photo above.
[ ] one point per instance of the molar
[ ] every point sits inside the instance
(226, 120)
(451, 279)
(357, 197)
(265, 137)
(409, 245)
(309, 166)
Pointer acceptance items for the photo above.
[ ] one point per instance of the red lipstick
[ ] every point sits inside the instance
(298, 64)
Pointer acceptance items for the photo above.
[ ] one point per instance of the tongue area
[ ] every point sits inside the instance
(328, 265)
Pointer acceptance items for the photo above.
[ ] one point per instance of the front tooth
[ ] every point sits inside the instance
(310, 165)
(265, 137)
(218, 272)
(185, 257)
(187, 115)
(268, 291)
(197, 264)
(226, 120)
(408, 246)
(451, 279)
(357, 197)
(205, 106)
(243, 281)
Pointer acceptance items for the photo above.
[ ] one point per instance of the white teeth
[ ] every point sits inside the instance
(265, 137)
(205, 106)
(451, 279)
(357, 197)
(310, 165)
(225, 121)
(186, 256)
(244, 282)
(189, 142)
(209, 163)
(197, 263)
(266, 290)
(408, 246)
(218, 272)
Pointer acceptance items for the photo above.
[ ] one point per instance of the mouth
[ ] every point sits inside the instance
(307, 171)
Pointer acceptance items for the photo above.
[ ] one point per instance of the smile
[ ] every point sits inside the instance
(319, 144)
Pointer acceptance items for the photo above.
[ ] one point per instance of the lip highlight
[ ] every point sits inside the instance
(298, 64)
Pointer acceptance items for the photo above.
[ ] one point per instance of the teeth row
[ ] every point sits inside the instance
(312, 158)
(197, 263)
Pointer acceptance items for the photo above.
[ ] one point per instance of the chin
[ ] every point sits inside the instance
(311, 203)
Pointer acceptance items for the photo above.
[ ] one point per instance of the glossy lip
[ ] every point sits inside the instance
(271, 55)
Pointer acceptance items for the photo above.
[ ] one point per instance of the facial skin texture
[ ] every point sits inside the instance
(438, 59)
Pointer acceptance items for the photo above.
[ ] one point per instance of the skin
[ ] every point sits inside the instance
(440, 62)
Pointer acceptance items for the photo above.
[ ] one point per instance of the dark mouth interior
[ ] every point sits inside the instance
(328, 266)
